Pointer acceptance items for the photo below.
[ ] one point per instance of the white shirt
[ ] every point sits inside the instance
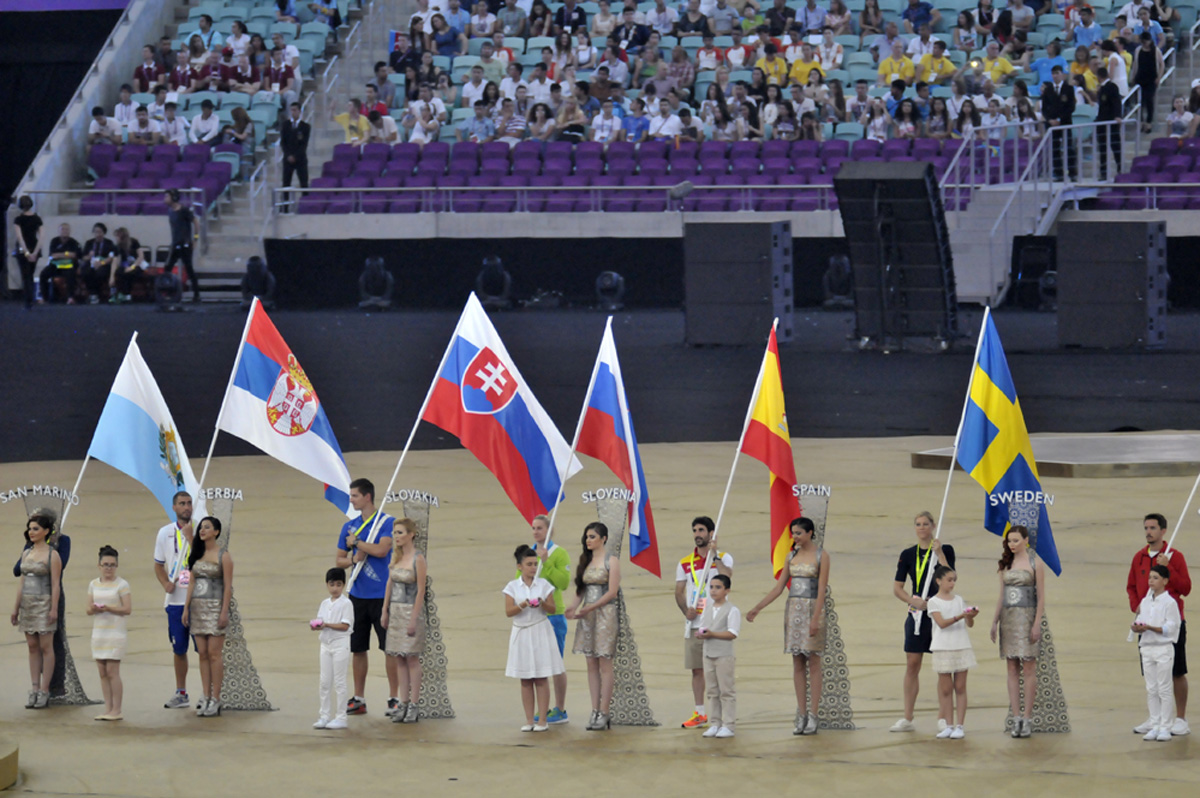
(470, 93)
(663, 22)
(151, 127)
(340, 611)
(436, 106)
(604, 130)
(175, 131)
(725, 615)
(239, 45)
(539, 92)
(918, 48)
(953, 637)
(954, 105)
(291, 56)
(171, 551)
(125, 115)
(1161, 611)
(425, 17)
(156, 111)
(690, 594)
(508, 88)
(1129, 11)
(792, 51)
(618, 72)
(831, 57)
(205, 129)
(520, 592)
(111, 127)
(386, 132)
(478, 23)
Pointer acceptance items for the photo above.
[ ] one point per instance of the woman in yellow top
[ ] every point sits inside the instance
(355, 125)
(1082, 65)
(774, 67)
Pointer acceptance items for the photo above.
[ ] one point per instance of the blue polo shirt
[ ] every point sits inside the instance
(635, 126)
(458, 22)
(918, 15)
(372, 579)
(1044, 66)
(1086, 37)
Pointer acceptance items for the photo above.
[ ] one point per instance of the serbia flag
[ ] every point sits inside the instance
(480, 397)
(607, 435)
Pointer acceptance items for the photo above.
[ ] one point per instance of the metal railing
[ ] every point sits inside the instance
(1147, 193)
(258, 190)
(193, 197)
(989, 156)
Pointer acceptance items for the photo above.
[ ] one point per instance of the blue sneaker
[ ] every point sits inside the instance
(556, 716)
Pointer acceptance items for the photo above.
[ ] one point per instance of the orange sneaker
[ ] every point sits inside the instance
(696, 721)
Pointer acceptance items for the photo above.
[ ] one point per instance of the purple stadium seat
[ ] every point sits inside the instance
(776, 166)
(714, 166)
(197, 152)
(101, 159)
(743, 149)
(829, 149)
(411, 201)
(495, 166)
(1175, 164)
(377, 202)
(131, 204)
(894, 148)
(925, 149)
(441, 201)
(557, 165)
(558, 149)
(464, 165)
(527, 150)
(316, 203)
(97, 204)
(369, 168)
(588, 149)
(507, 202)
(188, 169)
(165, 152)
(494, 150)
(568, 201)
(775, 149)
(1164, 146)
(864, 148)
(805, 149)
(472, 201)
(652, 166)
(376, 151)
(832, 164)
(125, 169)
(435, 151)
(625, 201)
(745, 165)
(713, 148)
(346, 152)
(135, 152)
(337, 169)
(1191, 145)
(157, 169)
(536, 200)
(526, 167)
(621, 168)
(683, 168)
(591, 163)
(464, 151)
(1145, 164)
(347, 202)
(431, 168)
(653, 150)
(405, 151)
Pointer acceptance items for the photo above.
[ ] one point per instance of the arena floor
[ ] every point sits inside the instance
(284, 540)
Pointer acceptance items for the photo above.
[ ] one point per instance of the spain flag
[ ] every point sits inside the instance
(767, 440)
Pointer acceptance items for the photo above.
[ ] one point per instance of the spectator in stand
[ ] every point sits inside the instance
(510, 126)
(681, 70)
(149, 73)
(420, 18)
(144, 130)
(353, 123)
(372, 101)
(723, 127)
(436, 105)
(791, 50)
(1148, 69)
(197, 53)
(1179, 121)
(1052, 58)
(1115, 64)
(541, 123)
(811, 18)
(1088, 32)
(805, 65)
(457, 17)
(174, 128)
(383, 128)
(501, 53)
(599, 86)
(748, 126)
(662, 18)
(324, 12)
(829, 52)
(571, 122)
(966, 126)
(239, 39)
(708, 57)
(921, 45)
(1023, 17)
(784, 128)
(483, 22)
(209, 37)
(938, 125)
(569, 18)
(64, 262)
(780, 18)
(227, 68)
(285, 11)
(995, 66)
(635, 125)
(246, 79)
(665, 126)
(604, 21)
(291, 54)
(1082, 67)
(259, 57)
(103, 129)
(629, 35)
(838, 19)
(897, 66)
(508, 86)
(775, 69)
(918, 13)
(1147, 25)
(279, 82)
(444, 40)
(241, 133)
(769, 111)
(165, 54)
(1163, 14)
(129, 264)
(125, 111)
(493, 68)
(423, 127)
(472, 90)
(870, 23)
(539, 87)
(936, 68)
(1108, 109)
(1130, 9)
(209, 77)
(157, 106)
(521, 105)
(182, 223)
(618, 71)
(182, 77)
(965, 37)
(96, 265)
(763, 37)
(541, 21)
(882, 45)
(294, 134)
(403, 54)
(584, 55)
(739, 55)
(513, 21)
(426, 71)
(606, 126)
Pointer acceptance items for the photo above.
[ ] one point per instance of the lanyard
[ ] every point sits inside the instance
(358, 531)
(921, 566)
(696, 580)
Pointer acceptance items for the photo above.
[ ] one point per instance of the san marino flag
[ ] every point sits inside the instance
(136, 434)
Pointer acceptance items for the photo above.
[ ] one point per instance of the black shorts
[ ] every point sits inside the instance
(918, 643)
(367, 613)
(1180, 668)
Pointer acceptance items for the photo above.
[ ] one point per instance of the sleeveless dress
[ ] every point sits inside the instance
(400, 614)
(109, 636)
(1016, 615)
(801, 605)
(34, 615)
(208, 590)
(596, 632)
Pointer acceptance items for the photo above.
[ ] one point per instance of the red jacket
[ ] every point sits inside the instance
(1179, 585)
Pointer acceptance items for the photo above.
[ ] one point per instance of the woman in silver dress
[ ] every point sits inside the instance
(806, 577)
(597, 581)
(206, 611)
(404, 618)
(1019, 621)
(35, 611)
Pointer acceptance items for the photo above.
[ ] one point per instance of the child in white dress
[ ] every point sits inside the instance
(951, 649)
(108, 602)
(533, 654)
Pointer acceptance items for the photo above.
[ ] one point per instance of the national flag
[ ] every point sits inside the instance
(607, 434)
(767, 440)
(481, 398)
(271, 404)
(137, 436)
(994, 448)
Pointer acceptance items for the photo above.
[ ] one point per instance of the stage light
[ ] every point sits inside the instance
(258, 282)
(494, 284)
(375, 285)
(610, 290)
(681, 190)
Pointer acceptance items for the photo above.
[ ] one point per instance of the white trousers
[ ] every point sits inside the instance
(335, 661)
(1157, 663)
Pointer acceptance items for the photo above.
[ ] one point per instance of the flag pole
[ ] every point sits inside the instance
(937, 532)
(1182, 515)
(437, 375)
(712, 543)
(237, 361)
(562, 477)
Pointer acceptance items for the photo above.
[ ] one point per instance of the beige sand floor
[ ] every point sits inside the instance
(285, 540)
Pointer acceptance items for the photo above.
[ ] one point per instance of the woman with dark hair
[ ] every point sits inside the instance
(416, 35)
(27, 230)
(870, 21)
(541, 22)
(966, 38)
(541, 123)
(834, 108)
(785, 128)
(1002, 28)
(444, 39)
(1147, 73)
(597, 581)
(197, 52)
(810, 128)
(427, 72)
(805, 574)
(1018, 620)
(239, 39)
(259, 57)
(713, 100)
(770, 106)
(491, 96)
(241, 133)
(938, 125)
(985, 18)
(966, 127)
(109, 602)
(206, 611)
(748, 126)
(412, 84)
(564, 55)
(36, 610)
(906, 124)
(285, 11)
(757, 90)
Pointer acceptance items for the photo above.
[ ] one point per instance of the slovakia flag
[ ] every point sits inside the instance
(272, 404)
(607, 435)
(481, 398)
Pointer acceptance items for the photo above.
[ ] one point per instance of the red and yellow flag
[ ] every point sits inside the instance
(767, 440)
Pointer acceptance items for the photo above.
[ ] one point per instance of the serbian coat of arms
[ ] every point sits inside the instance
(292, 405)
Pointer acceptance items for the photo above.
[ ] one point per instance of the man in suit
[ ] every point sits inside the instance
(293, 139)
(1108, 109)
(1058, 105)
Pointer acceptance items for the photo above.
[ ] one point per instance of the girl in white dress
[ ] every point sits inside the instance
(109, 602)
(532, 648)
(951, 649)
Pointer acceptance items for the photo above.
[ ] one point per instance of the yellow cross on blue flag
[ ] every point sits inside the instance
(994, 448)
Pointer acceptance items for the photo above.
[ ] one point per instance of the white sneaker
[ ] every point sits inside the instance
(903, 725)
(336, 724)
(1164, 735)
(957, 733)
(528, 727)
(1180, 728)
(945, 733)
(711, 731)
(943, 725)
(1151, 736)
(723, 732)
(542, 728)
(1142, 728)
(321, 723)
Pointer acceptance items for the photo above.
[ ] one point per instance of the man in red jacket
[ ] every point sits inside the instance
(1180, 584)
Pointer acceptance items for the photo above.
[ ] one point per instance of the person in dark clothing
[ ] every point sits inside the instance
(1058, 106)
(64, 262)
(405, 54)
(1108, 109)
(293, 138)
(27, 228)
(97, 263)
(182, 221)
(1148, 69)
